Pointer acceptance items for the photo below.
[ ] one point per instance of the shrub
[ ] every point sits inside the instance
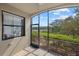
(69, 38)
(52, 36)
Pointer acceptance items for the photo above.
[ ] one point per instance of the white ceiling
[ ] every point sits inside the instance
(32, 8)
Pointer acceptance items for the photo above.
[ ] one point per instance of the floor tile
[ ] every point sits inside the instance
(30, 49)
(21, 53)
(40, 52)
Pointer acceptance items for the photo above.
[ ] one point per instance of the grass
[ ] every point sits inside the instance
(52, 36)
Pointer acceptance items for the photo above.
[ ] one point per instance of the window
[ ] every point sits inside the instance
(13, 25)
(35, 20)
(57, 30)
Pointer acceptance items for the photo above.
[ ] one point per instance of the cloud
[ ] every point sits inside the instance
(63, 10)
(56, 13)
(59, 11)
(60, 17)
(63, 17)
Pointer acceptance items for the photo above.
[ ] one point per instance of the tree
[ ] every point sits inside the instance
(55, 26)
(70, 25)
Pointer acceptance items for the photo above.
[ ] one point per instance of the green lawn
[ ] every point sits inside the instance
(52, 36)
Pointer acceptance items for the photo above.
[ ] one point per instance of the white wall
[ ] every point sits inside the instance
(12, 46)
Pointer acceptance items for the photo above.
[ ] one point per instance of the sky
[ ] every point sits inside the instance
(54, 15)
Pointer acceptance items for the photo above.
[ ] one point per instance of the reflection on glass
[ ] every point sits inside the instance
(8, 32)
(17, 31)
(13, 25)
(8, 18)
(18, 20)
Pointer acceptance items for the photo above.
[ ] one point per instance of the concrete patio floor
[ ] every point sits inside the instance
(29, 51)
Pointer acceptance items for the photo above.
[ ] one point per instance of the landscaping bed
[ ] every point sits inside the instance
(64, 47)
(63, 44)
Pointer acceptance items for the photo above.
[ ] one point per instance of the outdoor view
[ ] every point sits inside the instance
(57, 30)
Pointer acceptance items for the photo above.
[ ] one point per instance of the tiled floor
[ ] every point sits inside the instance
(29, 51)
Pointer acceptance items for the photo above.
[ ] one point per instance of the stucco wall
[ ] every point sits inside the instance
(11, 46)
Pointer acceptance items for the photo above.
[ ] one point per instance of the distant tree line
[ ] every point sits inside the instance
(69, 26)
